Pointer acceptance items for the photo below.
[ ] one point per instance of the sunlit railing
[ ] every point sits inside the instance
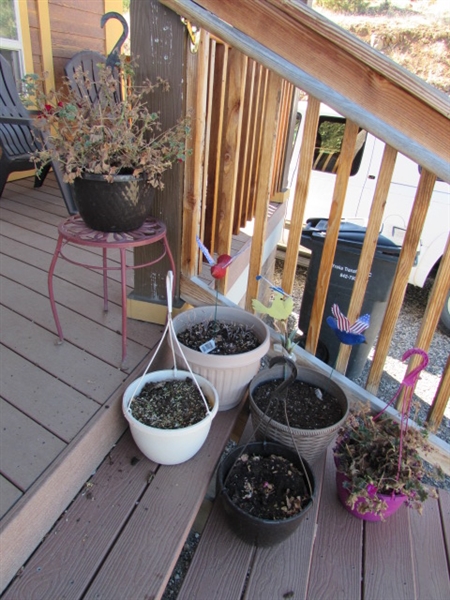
(241, 142)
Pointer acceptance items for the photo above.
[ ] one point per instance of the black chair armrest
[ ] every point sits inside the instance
(16, 121)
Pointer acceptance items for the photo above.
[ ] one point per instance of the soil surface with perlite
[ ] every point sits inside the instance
(267, 487)
(307, 406)
(169, 404)
(229, 338)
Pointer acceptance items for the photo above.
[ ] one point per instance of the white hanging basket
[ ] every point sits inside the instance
(170, 446)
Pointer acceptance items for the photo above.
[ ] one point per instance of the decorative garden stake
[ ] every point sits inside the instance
(280, 310)
(346, 333)
(219, 266)
(408, 384)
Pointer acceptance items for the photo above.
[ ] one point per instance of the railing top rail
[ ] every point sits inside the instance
(339, 69)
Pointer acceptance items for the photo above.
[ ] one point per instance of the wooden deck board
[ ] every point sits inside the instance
(93, 377)
(428, 547)
(9, 494)
(444, 509)
(27, 448)
(388, 564)
(150, 544)
(73, 287)
(337, 553)
(79, 330)
(64, 570)
(59, 408)
(284, 569)
(51, 390)
(43, 242)
(209, 576)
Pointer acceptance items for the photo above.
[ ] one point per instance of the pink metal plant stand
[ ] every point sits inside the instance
(74, 231)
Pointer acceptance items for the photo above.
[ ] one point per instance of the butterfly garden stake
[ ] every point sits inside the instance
(280, 310)
(345, 332)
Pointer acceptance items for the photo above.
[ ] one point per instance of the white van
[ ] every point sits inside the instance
(361, 187)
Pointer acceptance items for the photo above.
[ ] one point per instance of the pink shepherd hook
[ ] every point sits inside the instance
(409, 382)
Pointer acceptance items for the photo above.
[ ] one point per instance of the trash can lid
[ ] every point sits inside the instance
(350, 234)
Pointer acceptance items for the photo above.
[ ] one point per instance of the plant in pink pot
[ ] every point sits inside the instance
(379, 465)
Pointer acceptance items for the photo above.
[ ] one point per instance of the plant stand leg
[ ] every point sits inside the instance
(50, 288)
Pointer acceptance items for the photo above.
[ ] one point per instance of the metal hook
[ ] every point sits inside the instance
(194, 35)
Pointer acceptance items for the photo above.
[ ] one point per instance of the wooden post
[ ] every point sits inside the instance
(301, 193)
(330, 243)
(369, 248)
(264, 184)
(404, 266)
(158, 41)
(436, 412)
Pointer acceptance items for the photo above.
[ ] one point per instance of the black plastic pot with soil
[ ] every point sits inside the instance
(265, 489)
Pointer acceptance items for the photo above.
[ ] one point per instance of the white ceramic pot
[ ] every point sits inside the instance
(170, 446)
(229, 374)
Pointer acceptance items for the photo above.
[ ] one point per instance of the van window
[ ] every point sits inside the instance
(329, 138)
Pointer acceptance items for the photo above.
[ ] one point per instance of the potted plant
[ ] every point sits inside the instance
(378, 459)
(265, 489)
(296, 406)
(114, 139)
(225, 345)
(169, 416)
(170, 411)
(379, 468)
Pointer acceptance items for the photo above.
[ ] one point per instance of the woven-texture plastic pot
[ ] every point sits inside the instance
(393, 502)
(251, 529)
(119, 206)
(170, 446)
(310, 443)
(230, 375)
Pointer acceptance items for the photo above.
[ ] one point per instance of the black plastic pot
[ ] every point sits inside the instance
(251, 529)
(119, 206)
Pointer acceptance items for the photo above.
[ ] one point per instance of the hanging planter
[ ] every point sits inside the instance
(377, 459)
(265, 490)
(315, 406)
(170, 411)
(122, 205)
(170, 446)
(359, 506)
(231, 370)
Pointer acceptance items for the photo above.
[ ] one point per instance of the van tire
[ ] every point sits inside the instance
(444, 322)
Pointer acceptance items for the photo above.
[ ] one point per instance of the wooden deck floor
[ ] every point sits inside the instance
(51, 394)
(120, 539)
(121, 536)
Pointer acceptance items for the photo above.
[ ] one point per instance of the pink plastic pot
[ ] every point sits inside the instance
(393, 502)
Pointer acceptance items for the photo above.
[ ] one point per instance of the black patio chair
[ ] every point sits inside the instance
(19, 139)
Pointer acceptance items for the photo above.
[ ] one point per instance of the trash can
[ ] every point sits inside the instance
(345, 264)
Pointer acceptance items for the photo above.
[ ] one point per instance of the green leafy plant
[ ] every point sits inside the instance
(367, 452)
(110, 136)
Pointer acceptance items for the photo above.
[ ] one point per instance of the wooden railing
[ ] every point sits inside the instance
(243, 124)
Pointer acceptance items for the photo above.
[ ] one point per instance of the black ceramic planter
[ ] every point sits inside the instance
(251, 529)
(119, 206)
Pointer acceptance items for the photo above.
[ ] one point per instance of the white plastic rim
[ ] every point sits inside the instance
(230, 374)
(170, 446)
